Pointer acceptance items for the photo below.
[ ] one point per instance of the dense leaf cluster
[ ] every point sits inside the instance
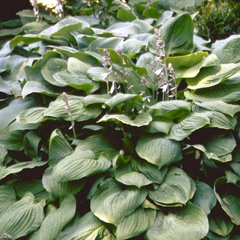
(123, 132)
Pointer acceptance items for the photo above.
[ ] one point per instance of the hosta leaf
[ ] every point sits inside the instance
(58, 147)
(176, 190)
(76, 66)
(78, 165)
(98, 144)
(11, 140)
(34, 186)
(57, 220)
(7, 198)
(52, 66)
(87, 227)
(228, 197)
(23, 217)
(31, 115)
(212, 76)
(158, 151)
(151, 171)
(60, 189)
(188, 66)
(221, 145)
(159, 124)
(121, 98)
(124, 29)
(189, 124)
(142, 119)
(135, 224)
(220, 106)
(79, 82)
(96, 99)
(112, 204)
(170, 109)
(227, 91)
(178, 34)
(113, 42)
(188, 223)
(98, 74)
(126, 15)
(79, 112)
(42, 87)
(227, 50)
(131, 47)
(18, 167)
(204, 197)
(3, 153)
(9, 113)
(220, 223)
(31, 144)
(129, 177)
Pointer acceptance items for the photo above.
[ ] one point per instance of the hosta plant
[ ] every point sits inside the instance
(127, 132)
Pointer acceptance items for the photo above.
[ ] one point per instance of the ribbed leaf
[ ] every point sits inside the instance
(3, 152)
(58, 147)
(112, 204)
(18, 167)
(220, 106)
(78, 165)
(142, 119)
(53, 66)
(204, 197)
(60, 189)
(189, 124)
(135, 224)
(23, 217)
(57, 220)
(188, 223)
(176, 190)
(158, 151)
(228, 197)
(128, 177)
(88, 227)
(170, 109)
(7, 198)
(79, 112)
(31, 144)
(31, 115)
(178, 34)
(212, 76)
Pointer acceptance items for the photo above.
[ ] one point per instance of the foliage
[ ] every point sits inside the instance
(218, 19)
(124, 132)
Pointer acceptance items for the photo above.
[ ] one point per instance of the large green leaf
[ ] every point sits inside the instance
(220, 106)
(60, 189)
(31, 143)
(135, 224)
(79, 112)
(24, 216)
(78, 165)
(176, 190)
(142, 119)
(87, 227)
(113, 42)
(111, 203)
(227, 50)
(58, 147)
(189, 124)
(98, 144)
(51, 67)
(188, 223)
(124, 29)
(177, 34)
(31, 115)
(57, 220)
(3, 153)
(170, 109)
(158, 151)
(228, 197)
(129, 177)
(212, 76)
(204, 197)
(188, 66)
(7, 198)
(18, 167)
